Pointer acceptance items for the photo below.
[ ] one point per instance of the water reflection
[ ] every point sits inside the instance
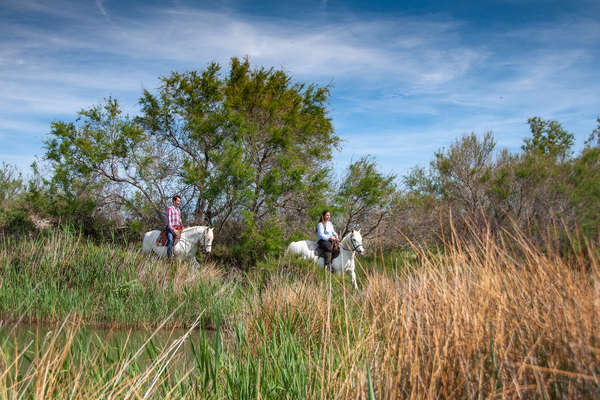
(113, 345)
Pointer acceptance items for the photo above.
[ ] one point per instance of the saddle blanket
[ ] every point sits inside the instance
(334, 253)
(163, 239)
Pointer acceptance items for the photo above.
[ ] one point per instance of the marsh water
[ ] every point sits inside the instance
(113, 344)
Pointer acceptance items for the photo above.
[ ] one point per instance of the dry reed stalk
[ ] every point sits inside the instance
(493, 317)
(468, 317)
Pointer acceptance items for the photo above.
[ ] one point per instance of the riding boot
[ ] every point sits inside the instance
(328, 262)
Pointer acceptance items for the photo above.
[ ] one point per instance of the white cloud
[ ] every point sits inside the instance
(386, 70)
(100, 5)
(192, 38)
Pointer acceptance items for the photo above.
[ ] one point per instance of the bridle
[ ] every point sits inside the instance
(204, 234)
(353, 242)
(204, 241)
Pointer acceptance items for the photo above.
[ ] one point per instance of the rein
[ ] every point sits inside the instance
(353, 242)
(204, 240)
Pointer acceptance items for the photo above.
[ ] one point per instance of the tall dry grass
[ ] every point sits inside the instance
(477, 321)
(63, 365)
(485, 318)
(488, 318)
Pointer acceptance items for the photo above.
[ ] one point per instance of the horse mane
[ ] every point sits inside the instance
(189, 228)
(195, 228)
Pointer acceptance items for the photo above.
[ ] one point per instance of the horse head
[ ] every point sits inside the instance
(354, 241)
(207, 239)
(202, 235)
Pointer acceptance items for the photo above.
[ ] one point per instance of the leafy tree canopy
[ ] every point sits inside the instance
(364, 196)
(250, 141)
(548, 138)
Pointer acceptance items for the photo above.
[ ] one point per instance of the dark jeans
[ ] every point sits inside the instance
(170, 238)
(327, 248)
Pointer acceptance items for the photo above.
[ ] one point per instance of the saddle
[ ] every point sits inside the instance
(162, 239)
(334, 252)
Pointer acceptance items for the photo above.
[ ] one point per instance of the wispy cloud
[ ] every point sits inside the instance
(344, 49)
(100, 5)
(411, 82)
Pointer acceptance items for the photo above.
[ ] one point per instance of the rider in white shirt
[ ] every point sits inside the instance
(326, 237)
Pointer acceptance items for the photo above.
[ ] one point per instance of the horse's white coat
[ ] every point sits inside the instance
(187, 245)
(350, 244)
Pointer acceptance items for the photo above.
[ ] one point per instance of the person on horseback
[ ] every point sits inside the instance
(174, 224)
(327, 238)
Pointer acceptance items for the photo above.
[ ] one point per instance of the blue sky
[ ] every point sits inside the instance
(409, 77)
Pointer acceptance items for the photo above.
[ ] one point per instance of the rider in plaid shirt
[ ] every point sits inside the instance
(173, 223)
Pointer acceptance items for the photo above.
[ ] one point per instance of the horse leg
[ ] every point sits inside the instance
(351, 267)
(353, 276)
(192, 257)
(146, 248)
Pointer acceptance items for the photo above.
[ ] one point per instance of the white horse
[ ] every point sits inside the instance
(186, 246)
(350, 244)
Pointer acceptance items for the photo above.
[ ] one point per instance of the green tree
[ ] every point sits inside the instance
(253, 141)
(364, 197)
(541, 175)
(249, 146)
(11, 183)
(548, 138)
(585, 183)
(12, 214)
(416, 209)
(463, 171)
(105, 156)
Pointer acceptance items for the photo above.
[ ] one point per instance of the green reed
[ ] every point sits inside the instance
(470, 320)
(47, 278)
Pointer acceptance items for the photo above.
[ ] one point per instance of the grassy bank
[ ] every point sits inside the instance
(495, 319)
(46, 278)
